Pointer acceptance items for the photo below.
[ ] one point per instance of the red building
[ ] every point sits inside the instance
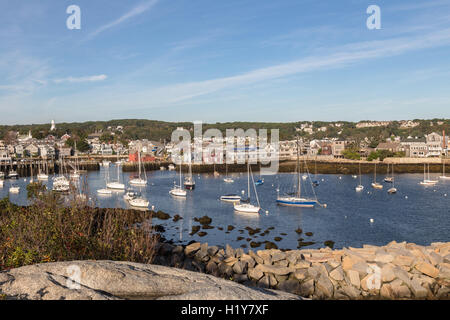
(133, 157)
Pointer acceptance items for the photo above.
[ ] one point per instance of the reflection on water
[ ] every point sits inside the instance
(415, 214)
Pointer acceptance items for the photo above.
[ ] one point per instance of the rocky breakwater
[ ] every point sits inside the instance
(395, 271)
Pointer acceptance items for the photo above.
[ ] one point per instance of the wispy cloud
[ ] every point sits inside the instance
(342, 56)
(418, 6)
(95, 78)
(141, 8)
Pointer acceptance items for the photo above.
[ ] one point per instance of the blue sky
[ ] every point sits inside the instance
(217, 61)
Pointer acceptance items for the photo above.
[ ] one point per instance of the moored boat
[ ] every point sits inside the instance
(139, 202)
(375, 184)
(14, 189)
(230, 198)
(296, 199)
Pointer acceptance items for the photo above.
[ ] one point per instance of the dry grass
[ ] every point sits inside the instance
(51, 229)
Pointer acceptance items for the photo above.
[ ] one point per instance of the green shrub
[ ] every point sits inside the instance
(53, 230)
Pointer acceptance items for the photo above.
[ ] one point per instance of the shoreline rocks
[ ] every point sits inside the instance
(115, 280)
(394, 271)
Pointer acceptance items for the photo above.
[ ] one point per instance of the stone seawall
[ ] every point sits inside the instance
(395, 271)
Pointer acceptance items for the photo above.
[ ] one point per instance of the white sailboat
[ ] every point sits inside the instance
(216, 173)
(41, 175)
(178, 191)
(75, 175)
(359, 187)
(227, 179)
(105, 163)
(444, 177)
(139, 202)
(297, 200)
(426, 178)
(61, 183)
(375, 184)
(105, 191)
(393, 189)
(116, 185)
(247, 207)
(12, 174)
(139, 181)
(389, 179)
(189, 182)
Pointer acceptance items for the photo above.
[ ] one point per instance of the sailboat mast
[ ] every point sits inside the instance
(248, 179)
(298, 170)
(180, 174)
(360, 173)
(139, 160)
(375, 173)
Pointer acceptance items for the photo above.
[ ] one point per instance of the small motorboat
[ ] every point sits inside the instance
(104, 192)
(230, 198)
(228, 180)
(171, 167)
(259, 182)
(130, 195)
(376, 185)
(392, 190)
(189, 183)
(14, 189)
(42, 177)
(139, 202)
(428, 182)
(13, 175)
(75, 175)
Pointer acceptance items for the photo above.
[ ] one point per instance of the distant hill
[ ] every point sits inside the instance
(160, 130)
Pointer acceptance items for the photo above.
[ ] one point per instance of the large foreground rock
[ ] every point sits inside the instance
(122, 280)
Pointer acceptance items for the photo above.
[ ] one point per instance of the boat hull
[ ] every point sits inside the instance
(230, 198)
(116, 186)
(139, 203)
(189, 186)
(138, 182)
(302, 203)
(178, 193)
(247, 208)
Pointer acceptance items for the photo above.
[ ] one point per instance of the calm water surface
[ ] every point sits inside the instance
(415, 214)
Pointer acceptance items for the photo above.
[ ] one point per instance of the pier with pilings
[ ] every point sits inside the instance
(26, 167)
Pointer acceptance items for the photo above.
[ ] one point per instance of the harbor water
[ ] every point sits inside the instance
(415, 213)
